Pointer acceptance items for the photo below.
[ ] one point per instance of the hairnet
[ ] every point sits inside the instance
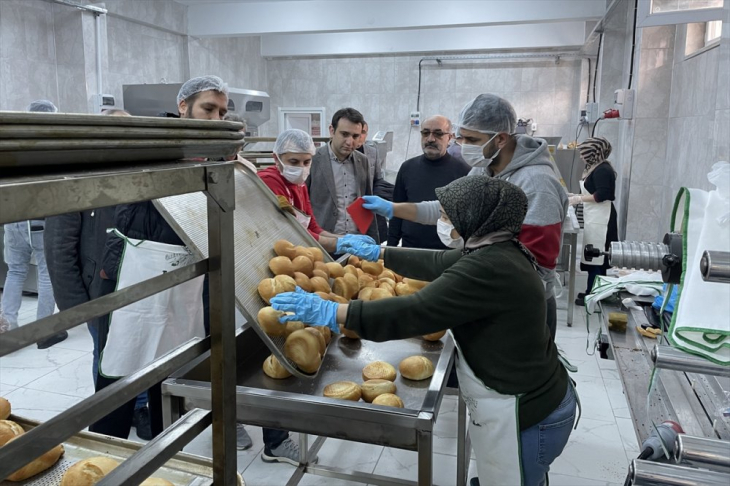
(42, 106)
(294, 141)
(488, 113)
(200, 84)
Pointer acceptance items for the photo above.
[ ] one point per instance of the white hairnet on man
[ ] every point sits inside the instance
(488, 113)
(42, 106)
(200, 84)
(294, 141)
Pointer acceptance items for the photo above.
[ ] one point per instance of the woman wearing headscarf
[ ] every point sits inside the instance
(490, 296)
(598, 190)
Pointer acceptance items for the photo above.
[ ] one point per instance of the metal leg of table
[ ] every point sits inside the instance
(573, 238)
(222, 327)
(425, 458)
(463, 446)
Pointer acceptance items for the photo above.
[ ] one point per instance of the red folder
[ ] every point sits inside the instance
(362, 217)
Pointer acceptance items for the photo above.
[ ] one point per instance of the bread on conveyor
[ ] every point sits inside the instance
(37, 465)
(302, 251)
(268, 318)
(417, 284)
(320, 338)
(388, 274)
(347, 333)
(9, 430)
(281, 265)
(373, 268)
(88, 471)
(284, 248)
(4, 408)
(337, 298)
(270, 287)
(344, 390)
(351, 269)
(354, 261)
(302, 347)
(335, 269)
(389, 400)
(346, 287)
(434, 336)
(317, 253)
(320, 284)
(292, 326)
(322, 267)
(374, 388)
(379, 370)
(303, 265)
(326, 333)
(370, 293)
(274, 369)
(303, 282)
(416, 368)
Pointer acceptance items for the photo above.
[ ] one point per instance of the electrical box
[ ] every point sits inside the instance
(105, 101)
(415, 118)
(592, 115)
(623, 100)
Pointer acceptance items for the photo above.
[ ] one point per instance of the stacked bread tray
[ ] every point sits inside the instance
(29, 139)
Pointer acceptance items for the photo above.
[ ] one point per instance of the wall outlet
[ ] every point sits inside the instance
(623, 101)
(592, 114)
(533, 127)
(415, 118)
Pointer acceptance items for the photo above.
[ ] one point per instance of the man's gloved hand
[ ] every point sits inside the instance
(307, 308)
(359, 245)
(379, 206)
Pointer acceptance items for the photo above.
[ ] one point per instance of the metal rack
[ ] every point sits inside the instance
(43, 191)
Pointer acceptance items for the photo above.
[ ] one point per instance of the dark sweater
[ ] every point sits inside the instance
(417, 181)
(494, 303)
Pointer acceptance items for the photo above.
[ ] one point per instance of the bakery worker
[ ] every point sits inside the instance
(521, 401)
(293, 152)
(598, 190)
(486, 129)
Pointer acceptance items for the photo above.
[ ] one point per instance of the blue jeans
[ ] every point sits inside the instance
(20, 244)
(541, 444)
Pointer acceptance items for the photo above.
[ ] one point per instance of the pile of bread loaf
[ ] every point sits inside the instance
(378, 385)
(87, 472)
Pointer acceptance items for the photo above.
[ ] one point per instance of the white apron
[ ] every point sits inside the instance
(595, 225)
(493, 426)
(145, 330)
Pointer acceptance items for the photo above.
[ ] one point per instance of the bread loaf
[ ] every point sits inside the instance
(347, 333)
(417, 284)
(88, 471)
(354, 261)
(37, 465)
(320, 284)
(293, 326)
(416, 368)
(316, 253)
(351, 269)
(324, 295)
(281, 265)
(369, 293)
(8, 431)
(302, 251)
(337, 298)
(346, 287)
(284, 248)
(326, 333)
(373, 388)
(404, 289)
(270, 287)
(373, 268)
(344, 390)
(321, 274)
(302, 347)
(303, 265)
(388, 274)
(4, 408)
(388, 288)
(320, 338)
(322, 267)
(379, 370)
(388, 400)
(335, 269)
(303, 282)
(434, 336)
(273, 368)
(268, 319)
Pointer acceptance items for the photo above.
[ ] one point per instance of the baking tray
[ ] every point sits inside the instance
(182, 470)
(111, 132)
(28, 118)
(258, 223)
(106, 153)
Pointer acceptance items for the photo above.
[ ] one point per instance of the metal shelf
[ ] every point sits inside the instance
(46, 191)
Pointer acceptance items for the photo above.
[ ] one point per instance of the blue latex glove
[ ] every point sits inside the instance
(359, 245)
(347, 241)
(307, 308)
(379, 206)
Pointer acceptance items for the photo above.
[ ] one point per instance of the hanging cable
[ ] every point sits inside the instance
(633, 46)
(593, 132)
(418, 98)
(588, 88)
(572, 163)
(595, 70)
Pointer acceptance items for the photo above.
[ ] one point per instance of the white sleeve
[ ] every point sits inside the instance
(428, 212)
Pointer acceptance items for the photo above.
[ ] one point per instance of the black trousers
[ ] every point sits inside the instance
(593, 272)
(119, 422)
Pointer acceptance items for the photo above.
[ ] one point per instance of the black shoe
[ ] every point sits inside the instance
(474, 482)
(581, 295)
(141, 422)
(55, 339)
(581, 300)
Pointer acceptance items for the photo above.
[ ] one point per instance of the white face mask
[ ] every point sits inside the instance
(444, 231)
(474, 154)
(295, 175)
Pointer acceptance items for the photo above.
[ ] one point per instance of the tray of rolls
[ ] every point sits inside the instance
(85, 458)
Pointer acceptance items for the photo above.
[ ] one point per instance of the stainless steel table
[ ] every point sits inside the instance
(298, 405)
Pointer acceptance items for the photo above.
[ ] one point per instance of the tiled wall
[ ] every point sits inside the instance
(236, 60)
(385, 89)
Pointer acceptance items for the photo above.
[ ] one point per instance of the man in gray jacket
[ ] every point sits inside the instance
(339, 175)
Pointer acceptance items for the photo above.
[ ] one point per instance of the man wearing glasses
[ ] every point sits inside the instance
(418, 179)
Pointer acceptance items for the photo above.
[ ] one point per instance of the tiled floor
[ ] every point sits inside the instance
(40, 384)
